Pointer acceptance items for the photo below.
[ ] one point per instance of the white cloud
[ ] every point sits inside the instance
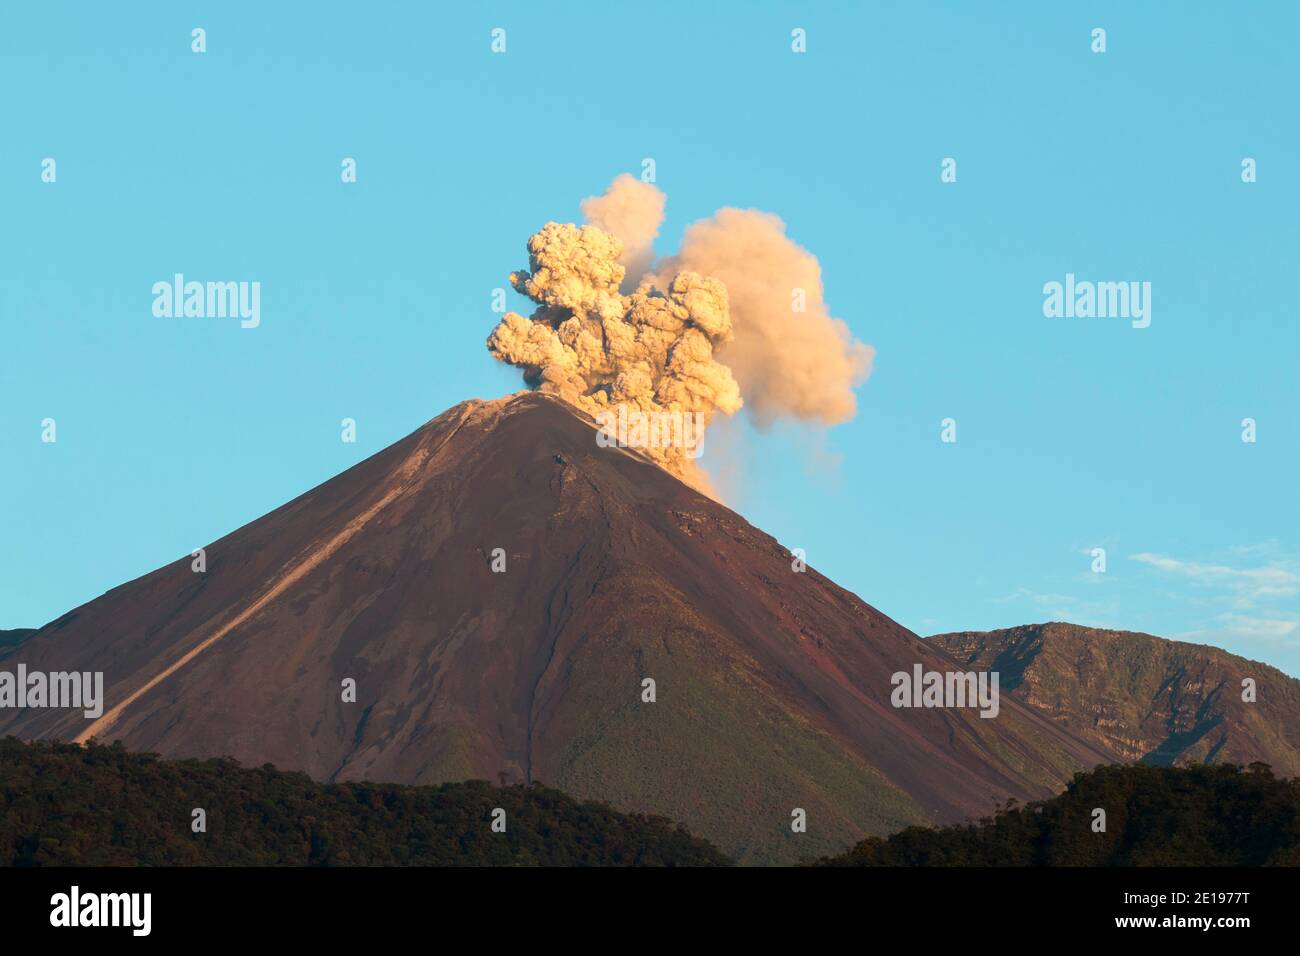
(1270, 580)
(1277, 634)
(1255, 603)
(1034, 597)
(1259, 628)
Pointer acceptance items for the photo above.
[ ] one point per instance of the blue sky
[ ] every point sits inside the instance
(1072, 434)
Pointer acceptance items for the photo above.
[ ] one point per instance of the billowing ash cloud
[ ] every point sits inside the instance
(610, 332)
(597, 348)
(633, 211)
(790, 364)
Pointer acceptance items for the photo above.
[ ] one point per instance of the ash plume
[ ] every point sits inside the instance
(790, 365)
(690, 335)
(633, 211)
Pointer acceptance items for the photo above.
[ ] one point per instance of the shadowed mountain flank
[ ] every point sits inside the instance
(10, 640)
(1141, 697)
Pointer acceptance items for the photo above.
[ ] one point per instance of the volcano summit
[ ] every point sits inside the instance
(772, 687)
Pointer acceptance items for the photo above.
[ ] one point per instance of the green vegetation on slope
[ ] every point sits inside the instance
(65, 805)
(1203, 815)
(722, 752)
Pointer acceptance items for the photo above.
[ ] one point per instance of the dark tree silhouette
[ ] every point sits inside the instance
(61, 804)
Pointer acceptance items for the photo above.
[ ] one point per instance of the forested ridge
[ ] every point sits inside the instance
(67, 805)
(1201, 815)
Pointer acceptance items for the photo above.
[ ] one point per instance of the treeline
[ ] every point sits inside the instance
(66, 805)
(1203, 815)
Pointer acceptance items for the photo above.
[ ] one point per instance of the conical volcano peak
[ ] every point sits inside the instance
(500, 596)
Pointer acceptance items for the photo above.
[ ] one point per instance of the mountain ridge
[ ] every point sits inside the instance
(12, 638)
(1147, 698)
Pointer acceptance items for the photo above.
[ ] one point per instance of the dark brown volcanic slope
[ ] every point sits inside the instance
(1141, 697)
(9, 640)
(772, 686)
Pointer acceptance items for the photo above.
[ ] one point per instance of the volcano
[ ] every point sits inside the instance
(501, 589)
